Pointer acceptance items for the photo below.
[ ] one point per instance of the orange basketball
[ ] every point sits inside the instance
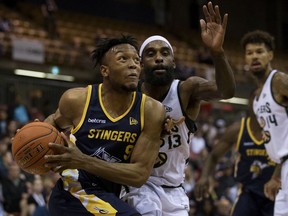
(30, 145)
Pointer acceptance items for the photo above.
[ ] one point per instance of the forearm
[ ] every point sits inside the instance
(61, 125)
(122, 173)
(224, 75)
(277, 172)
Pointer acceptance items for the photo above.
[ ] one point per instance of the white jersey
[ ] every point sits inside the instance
(273, 118)
(174, 151)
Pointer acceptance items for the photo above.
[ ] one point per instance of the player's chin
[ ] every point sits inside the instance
(131, 87)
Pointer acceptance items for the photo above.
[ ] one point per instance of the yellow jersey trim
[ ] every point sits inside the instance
(255, 140)
(142, 111)
(240, 133)
(89, 92)
(105, 111)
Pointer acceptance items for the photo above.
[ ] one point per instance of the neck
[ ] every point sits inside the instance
(116, 102)
(261, 78)
(156, 92)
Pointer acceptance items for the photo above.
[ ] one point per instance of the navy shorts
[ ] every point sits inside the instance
(251, 204)
(63, 203)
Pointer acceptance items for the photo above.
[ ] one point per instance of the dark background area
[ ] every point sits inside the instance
(179, 17)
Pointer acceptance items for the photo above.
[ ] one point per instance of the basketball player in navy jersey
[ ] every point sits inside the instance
(116, 132)
(270, 105)
(162, 194)
(254, 170)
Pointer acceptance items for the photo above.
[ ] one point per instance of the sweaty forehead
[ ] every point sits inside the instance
(122, 48)
(254, 46)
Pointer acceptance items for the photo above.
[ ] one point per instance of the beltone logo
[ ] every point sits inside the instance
(95, 120)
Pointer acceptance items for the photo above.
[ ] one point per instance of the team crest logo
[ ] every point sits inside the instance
(133, 121)
(168, 109)
(102, 211)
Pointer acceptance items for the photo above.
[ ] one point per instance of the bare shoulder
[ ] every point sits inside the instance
(154, 110)
(73, 98)
(152, 104)
(280, 88)
(280, 77)
(75, 93)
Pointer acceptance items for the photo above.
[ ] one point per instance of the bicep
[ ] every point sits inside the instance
(197, 88)
(283, 85)
(148, 143)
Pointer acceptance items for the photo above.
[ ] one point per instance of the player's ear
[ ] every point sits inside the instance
(174, 64)
(271, 55)
(104, 70)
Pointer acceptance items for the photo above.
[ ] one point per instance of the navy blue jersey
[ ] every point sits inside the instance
(111, 139)
(253, 168)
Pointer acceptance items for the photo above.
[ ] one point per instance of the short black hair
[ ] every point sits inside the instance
(105, 44)
(258, 37)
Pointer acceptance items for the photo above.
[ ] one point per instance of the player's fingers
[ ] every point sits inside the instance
(206, 14)
(218, 18)
(179, 121)
(225, 20)
(211, 12)
(66, 140)
(57, 149)
(203, 26)
(36, 120)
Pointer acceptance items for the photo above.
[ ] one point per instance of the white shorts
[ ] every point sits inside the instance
(153, 200)
(281, 202)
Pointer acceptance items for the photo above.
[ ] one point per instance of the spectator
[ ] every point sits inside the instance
(14, 189)
(5, 25)
(49, 9)
(37, 199)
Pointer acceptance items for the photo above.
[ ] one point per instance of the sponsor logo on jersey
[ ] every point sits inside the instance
(104, 155)
(133, 121)
(168, 109)
(248, 143)
(97, 121)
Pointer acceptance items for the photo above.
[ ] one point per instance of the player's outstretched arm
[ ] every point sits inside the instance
(213, 30)
(224, 145)
(142, 159)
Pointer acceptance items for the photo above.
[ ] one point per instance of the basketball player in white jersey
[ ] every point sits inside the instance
(270, 105)
(162, 194)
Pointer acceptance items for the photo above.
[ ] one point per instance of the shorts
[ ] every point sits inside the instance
(153, 200)
(251, 204)
(64, 203)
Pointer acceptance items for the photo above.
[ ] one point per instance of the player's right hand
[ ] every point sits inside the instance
(271, 188)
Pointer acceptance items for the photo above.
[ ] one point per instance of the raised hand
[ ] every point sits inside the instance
(213, 28)
(170, 123)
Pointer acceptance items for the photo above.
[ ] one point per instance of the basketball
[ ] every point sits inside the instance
(30, 145)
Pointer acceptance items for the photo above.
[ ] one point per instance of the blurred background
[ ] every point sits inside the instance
(45, 48)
